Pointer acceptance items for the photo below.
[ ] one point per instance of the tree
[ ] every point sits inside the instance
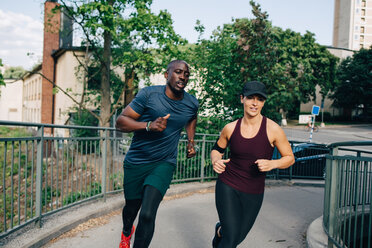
(120, 33)
(302, 64)
(235, 53)
(14, 72)
(354, 82)
(289, 64)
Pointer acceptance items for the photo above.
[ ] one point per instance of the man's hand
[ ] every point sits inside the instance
(219, 165)
(159, 124)
(190, 149)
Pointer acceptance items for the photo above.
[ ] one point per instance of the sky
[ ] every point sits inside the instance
(21, 29)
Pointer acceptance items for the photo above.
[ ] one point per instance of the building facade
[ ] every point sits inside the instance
(11, 100)
(352, 24)
(32, 96)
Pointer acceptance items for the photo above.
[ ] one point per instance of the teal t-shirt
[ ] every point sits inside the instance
(152, 102)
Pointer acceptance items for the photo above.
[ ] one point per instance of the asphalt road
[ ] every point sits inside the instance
(331, 134)
(188, 222)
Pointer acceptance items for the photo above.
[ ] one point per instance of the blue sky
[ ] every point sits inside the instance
(21, 21)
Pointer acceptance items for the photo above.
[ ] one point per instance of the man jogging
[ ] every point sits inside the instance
(157, 115)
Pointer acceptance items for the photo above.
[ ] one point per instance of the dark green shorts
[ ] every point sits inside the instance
(158, 175)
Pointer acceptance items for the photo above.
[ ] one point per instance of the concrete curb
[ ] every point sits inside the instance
(315, 236)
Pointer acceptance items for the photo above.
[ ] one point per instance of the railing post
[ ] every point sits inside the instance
(39, 175)
(104, 163)
(202, 160)
(333, 205)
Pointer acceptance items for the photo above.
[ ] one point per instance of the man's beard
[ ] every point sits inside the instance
(175, 91)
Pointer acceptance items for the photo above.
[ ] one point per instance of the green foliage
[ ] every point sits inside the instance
(94, 189)
(354, 85)
(302, 64)
(14, 132)
(84, 118)
(117, 181)
(122, 35)
(210, 124)
(289, 64)
(48, 194)
(238, 52)
(7, 132)
(14, 72)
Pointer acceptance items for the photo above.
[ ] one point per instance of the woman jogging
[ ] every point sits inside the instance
(241, 181)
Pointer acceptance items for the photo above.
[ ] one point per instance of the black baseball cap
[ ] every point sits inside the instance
(254, 87)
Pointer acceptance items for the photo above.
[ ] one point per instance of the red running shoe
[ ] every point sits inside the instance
(125, 241)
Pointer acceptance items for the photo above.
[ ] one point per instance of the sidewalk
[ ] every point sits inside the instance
(66, 220)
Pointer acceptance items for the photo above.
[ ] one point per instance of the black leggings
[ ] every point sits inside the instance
(146, 222)
(237, 212)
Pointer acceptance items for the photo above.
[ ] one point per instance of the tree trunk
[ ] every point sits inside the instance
(106, 96)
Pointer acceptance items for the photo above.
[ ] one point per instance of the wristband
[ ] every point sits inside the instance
(148, 126)
(218, 148)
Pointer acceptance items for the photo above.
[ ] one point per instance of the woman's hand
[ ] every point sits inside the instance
(219, 165)
(265, 165)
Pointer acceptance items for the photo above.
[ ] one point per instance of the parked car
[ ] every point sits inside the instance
(364, 117)
(310, 161)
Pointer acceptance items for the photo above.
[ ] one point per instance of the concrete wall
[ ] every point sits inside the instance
(11, 100)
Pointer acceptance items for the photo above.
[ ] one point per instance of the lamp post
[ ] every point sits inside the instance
(322, 107)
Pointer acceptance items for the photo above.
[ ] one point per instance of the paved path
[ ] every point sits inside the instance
(188, 222)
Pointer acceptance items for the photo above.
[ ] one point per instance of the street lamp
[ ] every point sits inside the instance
(322, 107)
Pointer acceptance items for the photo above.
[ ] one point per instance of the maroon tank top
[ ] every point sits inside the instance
(241, 172)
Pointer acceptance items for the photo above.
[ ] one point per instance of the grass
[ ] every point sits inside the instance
(8, 132)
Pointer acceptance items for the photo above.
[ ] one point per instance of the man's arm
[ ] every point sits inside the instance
(190, 130)
(127, 122)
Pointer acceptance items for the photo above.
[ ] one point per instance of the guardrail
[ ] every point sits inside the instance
(347, 217)
(42, 174)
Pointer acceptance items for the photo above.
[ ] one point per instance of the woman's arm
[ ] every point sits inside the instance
(280, 141)
(220, 146)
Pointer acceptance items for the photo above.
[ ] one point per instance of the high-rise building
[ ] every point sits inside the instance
(352, 24)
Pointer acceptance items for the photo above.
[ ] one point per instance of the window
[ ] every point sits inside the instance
(362, 29)
(362, 38)
(363, 12)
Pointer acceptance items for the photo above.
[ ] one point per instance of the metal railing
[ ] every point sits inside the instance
(45, 173)
(347, 217)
